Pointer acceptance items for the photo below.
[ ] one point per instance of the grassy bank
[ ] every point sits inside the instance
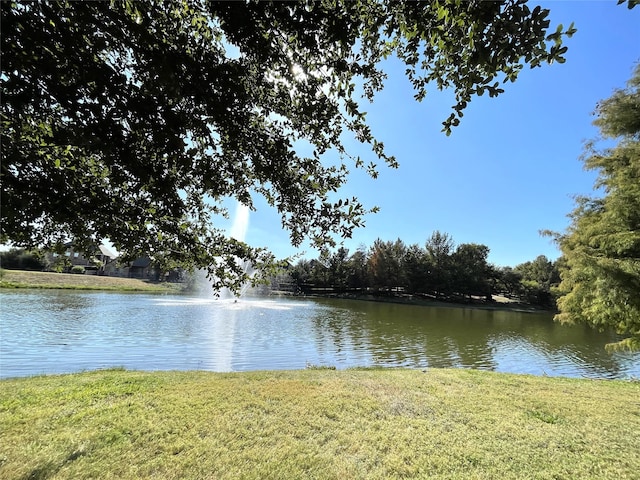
(67, 281)
(318, 424)
(498, 302)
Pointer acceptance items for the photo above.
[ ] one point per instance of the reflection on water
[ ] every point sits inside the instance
(58, 331)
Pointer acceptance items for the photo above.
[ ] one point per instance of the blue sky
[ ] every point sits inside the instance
(513, 165)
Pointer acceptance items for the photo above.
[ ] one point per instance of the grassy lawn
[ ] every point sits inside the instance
(318, 424)
(24, 279)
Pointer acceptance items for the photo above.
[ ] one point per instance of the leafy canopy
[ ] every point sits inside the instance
(135, 121)
(601, 249)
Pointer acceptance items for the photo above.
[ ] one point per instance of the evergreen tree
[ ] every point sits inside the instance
(338, 269)
(439, 248)
(416, 268)
(601, 267)
(386, 264)
(357, 271)
(472, 273)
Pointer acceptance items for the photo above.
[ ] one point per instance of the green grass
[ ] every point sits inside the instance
(318, 423)
(67, 281)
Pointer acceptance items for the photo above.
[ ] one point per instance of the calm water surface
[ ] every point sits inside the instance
(61, 331)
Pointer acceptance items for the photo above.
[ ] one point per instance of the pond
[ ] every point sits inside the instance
(58, 331)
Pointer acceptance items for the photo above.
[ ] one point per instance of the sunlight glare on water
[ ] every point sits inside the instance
(227, 303)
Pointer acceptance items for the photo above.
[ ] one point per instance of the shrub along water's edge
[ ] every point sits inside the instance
(498, 303)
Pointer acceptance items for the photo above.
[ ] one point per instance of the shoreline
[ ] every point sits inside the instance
(24, 279)
(497, 305)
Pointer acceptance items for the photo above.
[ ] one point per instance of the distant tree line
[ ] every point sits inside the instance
(439, 270)
(37, 259)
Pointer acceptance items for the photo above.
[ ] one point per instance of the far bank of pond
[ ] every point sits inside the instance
(329, 424)
(68, 281)
(497, 302)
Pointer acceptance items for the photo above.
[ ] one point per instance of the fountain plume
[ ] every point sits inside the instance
(238, 232)
(240, 223)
